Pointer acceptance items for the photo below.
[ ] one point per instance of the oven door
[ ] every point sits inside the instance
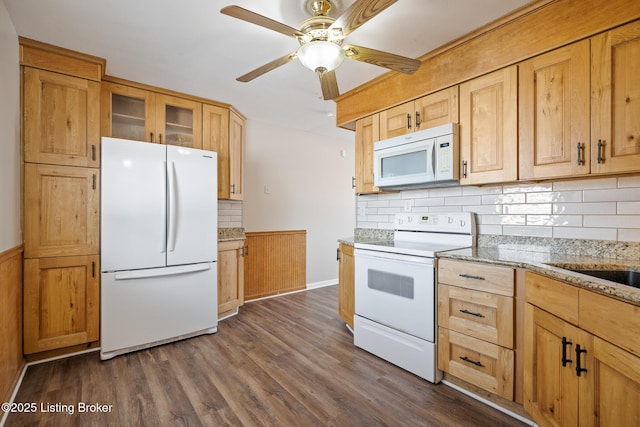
(397, 291)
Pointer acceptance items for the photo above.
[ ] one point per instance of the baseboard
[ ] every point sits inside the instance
(15, 393)
(322, 284)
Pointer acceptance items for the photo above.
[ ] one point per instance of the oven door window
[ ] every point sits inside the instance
(392, 283)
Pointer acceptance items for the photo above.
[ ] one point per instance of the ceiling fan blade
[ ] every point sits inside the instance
(267, 67)
(359, 13)
(382, 59)
(329, 84)
(263, 21)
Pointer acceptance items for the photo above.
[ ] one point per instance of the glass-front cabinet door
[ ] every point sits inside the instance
(128, 112)
(179, 121)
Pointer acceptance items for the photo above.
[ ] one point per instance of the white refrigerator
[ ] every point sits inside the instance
(159, 244)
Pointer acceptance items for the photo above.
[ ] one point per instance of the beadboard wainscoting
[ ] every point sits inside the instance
(596, 208)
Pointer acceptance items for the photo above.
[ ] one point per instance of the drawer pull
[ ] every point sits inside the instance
(466, 359)
(465, 311)
(471, 276)
(565, 343)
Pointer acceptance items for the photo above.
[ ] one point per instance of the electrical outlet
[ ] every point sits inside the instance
(407, 205)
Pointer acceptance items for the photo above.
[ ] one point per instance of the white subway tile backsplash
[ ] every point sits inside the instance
(612, 195)
(628, 208)
(530, 231)
(629, 235)
(596, 208)
(584, 208)
(585, 184)
(533, 208)
(585, 233)
(613, 221)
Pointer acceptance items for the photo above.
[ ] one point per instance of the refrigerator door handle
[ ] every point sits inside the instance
(173, 208)
(164, 210)
(159, 272)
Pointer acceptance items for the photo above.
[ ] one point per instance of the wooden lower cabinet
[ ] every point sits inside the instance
(230, 276)
(477, 325)
(571, 376)
(346, 297)
(61, 302)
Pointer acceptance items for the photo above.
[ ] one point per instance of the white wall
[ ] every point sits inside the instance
(606, 208)
(10, 233)
(296, 180)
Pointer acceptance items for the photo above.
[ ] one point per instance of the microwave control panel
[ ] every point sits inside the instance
(444, 157)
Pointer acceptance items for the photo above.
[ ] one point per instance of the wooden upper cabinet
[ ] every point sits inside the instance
(61, 214)
(178, 121)
(236, 154)
(396, 121)
(554, 112)
(139, 114)
(61, 119)
(437, 109)
(432, 110)
(223, 132)
(489, 128)
(61, 302)
(127, 112)
(615, 103)
(367, 133)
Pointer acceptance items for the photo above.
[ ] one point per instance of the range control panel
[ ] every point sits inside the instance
(437, 222)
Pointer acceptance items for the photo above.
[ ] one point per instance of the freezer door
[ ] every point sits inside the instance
(133, 211)
(192, 205)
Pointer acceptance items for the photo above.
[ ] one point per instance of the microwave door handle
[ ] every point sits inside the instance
(432, 163)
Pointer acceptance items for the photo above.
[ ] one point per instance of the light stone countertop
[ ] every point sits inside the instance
(546, 256)
(226, 234)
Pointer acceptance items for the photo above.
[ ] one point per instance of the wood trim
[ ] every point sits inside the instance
(11, 359)
(543, 26)
(168, 92)
(275, 262)
(53, 58)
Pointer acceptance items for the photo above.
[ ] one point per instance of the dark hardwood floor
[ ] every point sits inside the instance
(286, 361)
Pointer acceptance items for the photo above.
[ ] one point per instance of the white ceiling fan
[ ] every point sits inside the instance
(320, 38)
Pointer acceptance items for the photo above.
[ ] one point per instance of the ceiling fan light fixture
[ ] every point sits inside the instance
(321, 55)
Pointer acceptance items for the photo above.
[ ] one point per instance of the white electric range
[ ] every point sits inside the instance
(395, 288)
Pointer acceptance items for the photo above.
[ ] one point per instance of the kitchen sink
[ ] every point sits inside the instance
(626, 277)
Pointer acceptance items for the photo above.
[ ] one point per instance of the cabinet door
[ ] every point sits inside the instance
(215, 137)
(178, 121)
(128, 112)
(397, 121)
(610, 388)
(61, 210)
(550, 389)
(489, 128)
(437, 109)
(61, 302)
(554, 123)
(346, 296)
(367, 133)
(230, 275)
(236, 157)
(61, 119)
(615, 103)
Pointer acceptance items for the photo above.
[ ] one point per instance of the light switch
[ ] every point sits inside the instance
(267, 189)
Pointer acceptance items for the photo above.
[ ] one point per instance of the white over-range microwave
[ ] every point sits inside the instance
(427, 158)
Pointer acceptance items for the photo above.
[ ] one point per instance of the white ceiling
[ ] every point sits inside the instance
(189, 47)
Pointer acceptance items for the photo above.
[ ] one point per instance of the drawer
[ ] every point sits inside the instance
(476, 275)
(483, 315)
(485, 365)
